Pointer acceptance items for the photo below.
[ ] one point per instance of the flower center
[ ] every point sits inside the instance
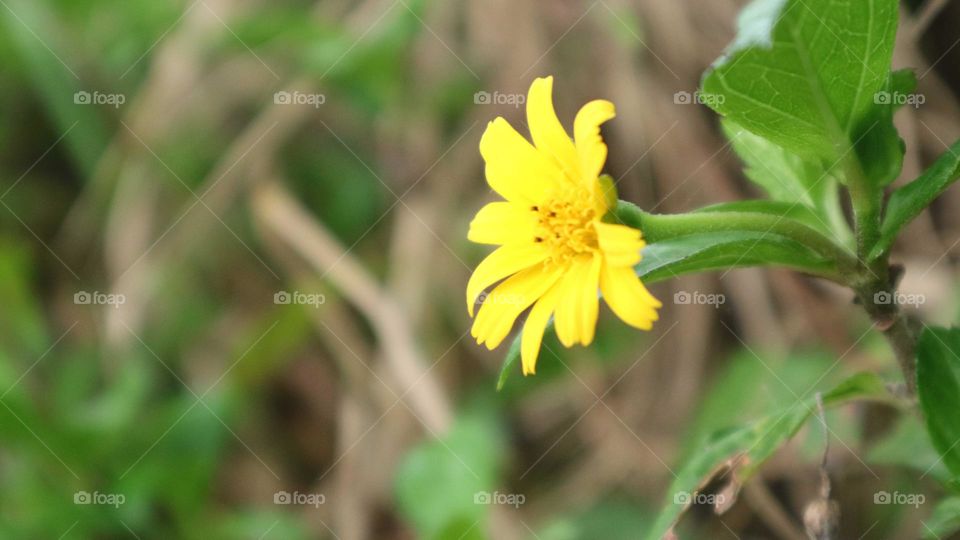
(565, 225)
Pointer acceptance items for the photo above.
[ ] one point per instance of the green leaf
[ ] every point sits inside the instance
(945, 520)
(880, 148)
(938, 386)
(746, 388)
(902, 82)
(805, 73)
(908, 201)
(437, 482)
(788, 178)
(738, 453)
(722, 250)
(782, 174)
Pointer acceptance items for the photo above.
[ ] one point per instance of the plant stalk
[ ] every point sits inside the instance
(659, 227)
(878, 291)
(878, 297)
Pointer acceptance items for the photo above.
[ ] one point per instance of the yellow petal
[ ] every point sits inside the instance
(620, 244)
(508, 300)
(548, 134)
(534, 328)
(568, 323)
(586, 131)
(514, 168)
(503, 223)
(589, 307)
(506, 260)
(627, 297)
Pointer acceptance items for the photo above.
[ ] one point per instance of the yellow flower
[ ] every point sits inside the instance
(555, 250)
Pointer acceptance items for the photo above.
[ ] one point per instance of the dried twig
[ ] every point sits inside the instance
(283, 216)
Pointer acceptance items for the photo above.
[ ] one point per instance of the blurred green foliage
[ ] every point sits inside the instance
(75, 421)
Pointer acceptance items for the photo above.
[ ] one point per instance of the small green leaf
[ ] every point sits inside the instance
(938, 385)
(788, 178)
(902, 82)
(879, 146)
(782, 174)
(805, 74)
(513, 356)
(741, 451)
(908, 201)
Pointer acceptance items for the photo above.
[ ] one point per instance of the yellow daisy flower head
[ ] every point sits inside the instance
(555, 249)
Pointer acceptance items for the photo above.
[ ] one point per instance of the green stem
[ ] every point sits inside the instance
(871, 281)
(866, 201)
(659, 227)
(876, 288)
(878, 299)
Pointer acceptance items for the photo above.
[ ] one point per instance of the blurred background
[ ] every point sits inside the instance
(233, 260)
